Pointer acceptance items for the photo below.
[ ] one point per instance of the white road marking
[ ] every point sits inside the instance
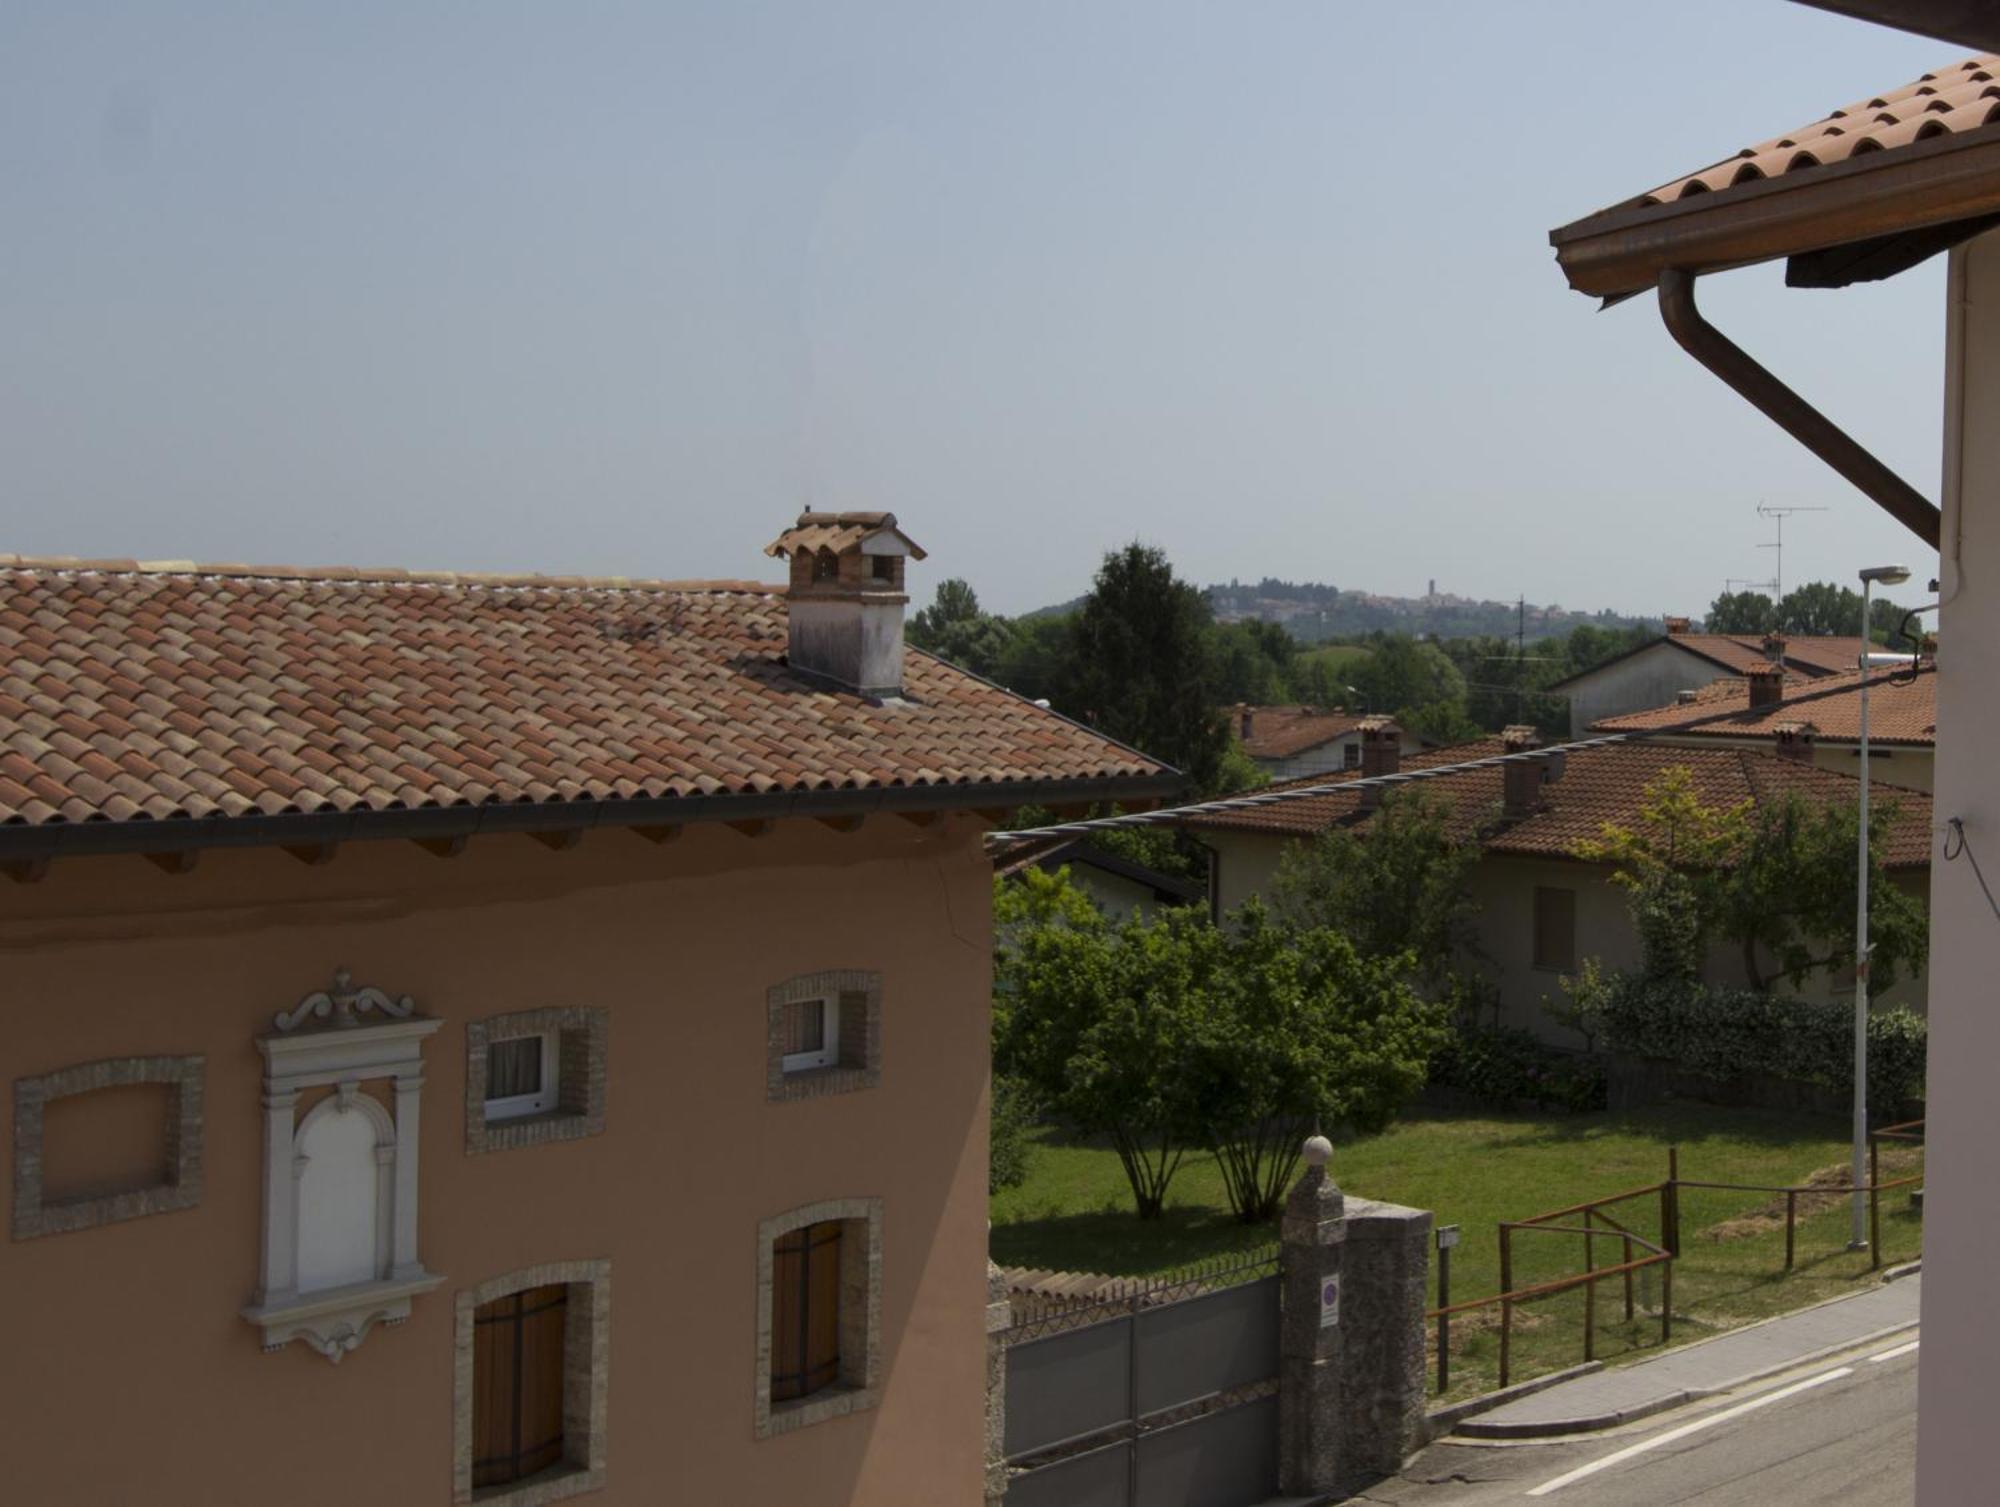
(1892, 1354)
(1620, 1456)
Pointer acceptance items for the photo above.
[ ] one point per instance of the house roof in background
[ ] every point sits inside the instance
(1971, 23)
(1598, 785)
(1899, 712)
(1279, 732)
(145, 697)
(1011, 857)
(1807, 656)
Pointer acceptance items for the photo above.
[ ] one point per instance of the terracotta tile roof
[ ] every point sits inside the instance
(1964, 96)
(1806, 656)
(134, 694)
(1598, 785)
(1897, 713)
(1278, 732)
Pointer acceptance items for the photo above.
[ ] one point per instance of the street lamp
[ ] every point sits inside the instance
(1358, 696)
(1887, 575)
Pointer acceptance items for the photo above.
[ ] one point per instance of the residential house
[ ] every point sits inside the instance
(1874, 188)
(1289, 741)
(1118, 885)
(1820, 721)
(498, 1039)
(1682, 660)
(1540, 909)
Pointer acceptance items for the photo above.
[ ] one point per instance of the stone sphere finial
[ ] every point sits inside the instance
(1318, 1151)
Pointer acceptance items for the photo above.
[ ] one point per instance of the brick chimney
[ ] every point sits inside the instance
(1381, 753)
(1774, 648)
(1767, 686)
(1678, 627)
(1249, 720)
(844, 607)
(1522, 779)
(1796, 740)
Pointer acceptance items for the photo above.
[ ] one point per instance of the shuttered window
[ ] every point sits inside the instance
(517, 1385)
(805, 1311)
(1555, 928)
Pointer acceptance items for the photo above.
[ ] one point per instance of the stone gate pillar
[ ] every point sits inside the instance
(1351, 1400)
(1314, 1234)
(999, 1315)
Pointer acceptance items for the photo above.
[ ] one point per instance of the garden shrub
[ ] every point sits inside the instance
(1007, 1146)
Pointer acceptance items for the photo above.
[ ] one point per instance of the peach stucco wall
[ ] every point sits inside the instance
(127, 1361)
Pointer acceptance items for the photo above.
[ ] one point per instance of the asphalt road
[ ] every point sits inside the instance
(1807, 1440)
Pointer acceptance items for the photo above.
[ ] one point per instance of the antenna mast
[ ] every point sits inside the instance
(1778, 515)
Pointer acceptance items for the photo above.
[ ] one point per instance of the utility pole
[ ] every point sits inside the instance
(1521, 660)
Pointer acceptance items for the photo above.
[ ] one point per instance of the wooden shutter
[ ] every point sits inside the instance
(805, 1311)
(517, 1384)
(1555, 927)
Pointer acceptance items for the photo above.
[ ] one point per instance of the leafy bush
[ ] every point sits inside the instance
(1724, 1033)
(1007, 1147)
(1508, 1069)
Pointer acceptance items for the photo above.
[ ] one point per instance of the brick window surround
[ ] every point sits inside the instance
(586, 1383)
(33, 1216)
(860, 1383)
(583, 1036)
(859, 995)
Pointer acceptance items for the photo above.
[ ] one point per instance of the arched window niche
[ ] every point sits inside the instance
(340, 1179)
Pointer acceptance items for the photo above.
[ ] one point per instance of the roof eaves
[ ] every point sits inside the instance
(1623, 250)
(79, 839)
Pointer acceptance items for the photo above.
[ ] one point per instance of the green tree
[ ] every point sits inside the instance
(954, 629)
(1399, 890)
(1097, 1020)
(1791, 893)
(1671, 866)
(1298, 1030)
(1820, 607)
(1741, 612)
(1139, 666)
(1254, 662)
(1404, 675)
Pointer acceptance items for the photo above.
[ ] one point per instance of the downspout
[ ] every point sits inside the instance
(1789, 411)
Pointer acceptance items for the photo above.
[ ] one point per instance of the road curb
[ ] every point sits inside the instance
(1593, 1423)
(1446, 1419)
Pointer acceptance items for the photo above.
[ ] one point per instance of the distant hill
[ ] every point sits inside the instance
(1313, 612)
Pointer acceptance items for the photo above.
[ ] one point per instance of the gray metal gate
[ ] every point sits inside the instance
(1165, 1397)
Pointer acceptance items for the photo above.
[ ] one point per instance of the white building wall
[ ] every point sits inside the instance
(1962, 1215)
(1639, 682)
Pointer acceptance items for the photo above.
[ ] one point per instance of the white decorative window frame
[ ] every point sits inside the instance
(860, 1383)
(547, 1092)
(580, 1063)
(828, 1054)
(854, 1034)
(341, 1054)
(586, 1383)
(35, 1215)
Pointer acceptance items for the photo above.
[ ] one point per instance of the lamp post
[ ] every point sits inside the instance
(1887, 575)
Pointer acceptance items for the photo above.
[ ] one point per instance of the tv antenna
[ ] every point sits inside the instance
(1778, 514)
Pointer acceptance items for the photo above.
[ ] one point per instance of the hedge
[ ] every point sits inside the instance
(1725, 1033)
(1511, 1069)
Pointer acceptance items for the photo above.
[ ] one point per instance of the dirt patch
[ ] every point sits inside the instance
(1829, 1189)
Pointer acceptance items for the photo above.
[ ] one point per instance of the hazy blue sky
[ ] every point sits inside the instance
(592, 287)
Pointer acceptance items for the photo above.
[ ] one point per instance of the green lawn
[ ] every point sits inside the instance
(1074, 1213)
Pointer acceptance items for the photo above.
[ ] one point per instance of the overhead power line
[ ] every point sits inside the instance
(1255, 800)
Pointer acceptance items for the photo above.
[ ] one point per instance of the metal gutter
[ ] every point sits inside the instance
(1790, 412)
(78, 839)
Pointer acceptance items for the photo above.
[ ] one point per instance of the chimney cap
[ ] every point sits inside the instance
(870, 533)
(1517, 735)
(1378, 724)
(1677, 626)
